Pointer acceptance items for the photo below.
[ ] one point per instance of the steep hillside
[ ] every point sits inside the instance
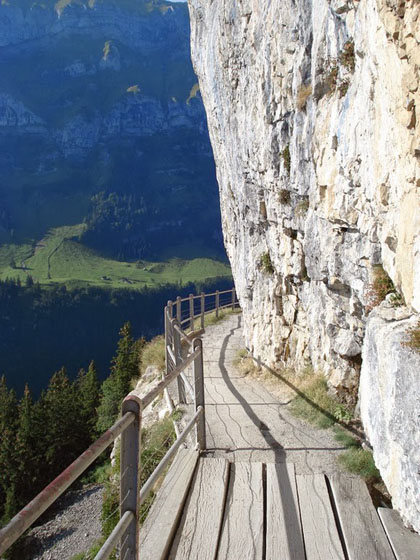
(312, 109)
(100, 118)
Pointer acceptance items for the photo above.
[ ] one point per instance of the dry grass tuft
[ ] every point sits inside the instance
(303, 94)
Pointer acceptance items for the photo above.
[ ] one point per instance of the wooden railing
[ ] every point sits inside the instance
(182, 350)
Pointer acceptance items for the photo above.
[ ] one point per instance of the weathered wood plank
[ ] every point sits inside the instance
(363, 533)
(158, 530)
(243, 526)
(405, 543)
(284, 531)
(319, 529)
(198, 534)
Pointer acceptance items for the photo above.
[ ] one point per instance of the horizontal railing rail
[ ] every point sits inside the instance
(178, 358)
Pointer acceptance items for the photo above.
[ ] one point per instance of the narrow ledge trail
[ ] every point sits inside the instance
(247, 422)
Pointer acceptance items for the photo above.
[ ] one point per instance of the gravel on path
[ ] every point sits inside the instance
(74, 526)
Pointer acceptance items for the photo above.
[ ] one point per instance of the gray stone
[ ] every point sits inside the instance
(340, 147)
(390, 405)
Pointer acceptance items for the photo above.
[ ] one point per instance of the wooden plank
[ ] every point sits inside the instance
(198, 534)
(363, 533)
(158, 530)
(322, 541)
(243, 527)
(405, 543)
(284, 531)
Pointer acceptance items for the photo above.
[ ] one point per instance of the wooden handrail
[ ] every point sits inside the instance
(129, 427)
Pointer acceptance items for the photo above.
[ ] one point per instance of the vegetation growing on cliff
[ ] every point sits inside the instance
(380, 287)
(413, 341)
(265, 263)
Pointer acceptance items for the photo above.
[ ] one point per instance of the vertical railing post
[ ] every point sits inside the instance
(168, 336)
(233, 299)
(191, 312)
(130, 479)
(198, 374)
(202, 308)
(178, 309)
(178, 358)
(217, 302)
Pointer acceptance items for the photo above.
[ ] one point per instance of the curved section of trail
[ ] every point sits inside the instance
(246, 422)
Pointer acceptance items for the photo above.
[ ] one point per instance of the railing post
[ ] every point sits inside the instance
(198, 373)
(178, 309)
(233, 299)
(168, 336)
(217, 302)
(202, 308)
(178, 358)
(191, 312)
(130, 479)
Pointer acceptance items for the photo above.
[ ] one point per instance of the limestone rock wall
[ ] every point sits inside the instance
(390, 405)
(313, 110)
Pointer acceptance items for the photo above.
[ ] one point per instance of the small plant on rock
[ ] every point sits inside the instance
(343, 87)
(302, 207)
(347, 57)
(285, 154)
(284, 196)
(380, 287)
(265, 263)
(413, 341)
(332, 77)
(303, 95)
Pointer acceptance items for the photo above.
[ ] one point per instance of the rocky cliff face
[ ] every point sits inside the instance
(312, 108)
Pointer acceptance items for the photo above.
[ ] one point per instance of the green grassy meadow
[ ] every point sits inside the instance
(60, 258)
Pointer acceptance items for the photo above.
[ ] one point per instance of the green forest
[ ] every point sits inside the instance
(44, 329)
(75, 412)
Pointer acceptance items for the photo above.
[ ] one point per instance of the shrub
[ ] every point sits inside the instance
(266, 264)
(302, 96)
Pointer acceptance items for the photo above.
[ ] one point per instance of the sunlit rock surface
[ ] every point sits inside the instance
(312, 109)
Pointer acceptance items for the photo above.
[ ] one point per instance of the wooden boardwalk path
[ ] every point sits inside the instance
(268, 486)
(257, 511)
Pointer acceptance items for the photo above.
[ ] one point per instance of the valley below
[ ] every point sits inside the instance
(108, 196)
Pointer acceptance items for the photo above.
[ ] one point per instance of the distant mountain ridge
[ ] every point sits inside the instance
(99, 96)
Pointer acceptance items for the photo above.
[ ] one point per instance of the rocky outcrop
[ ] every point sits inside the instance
(390, 405)
(312, 108)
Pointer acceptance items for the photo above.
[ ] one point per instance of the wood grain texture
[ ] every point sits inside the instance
(284, 532)
(158, 530)
(198, 534)
(406, 544)
(363, 533)
(242, 532)
(320, 532)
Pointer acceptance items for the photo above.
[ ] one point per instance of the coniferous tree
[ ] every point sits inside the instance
(124, 368)
(58, 409)
(8, 419)
(87, 386)
(28, 451)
